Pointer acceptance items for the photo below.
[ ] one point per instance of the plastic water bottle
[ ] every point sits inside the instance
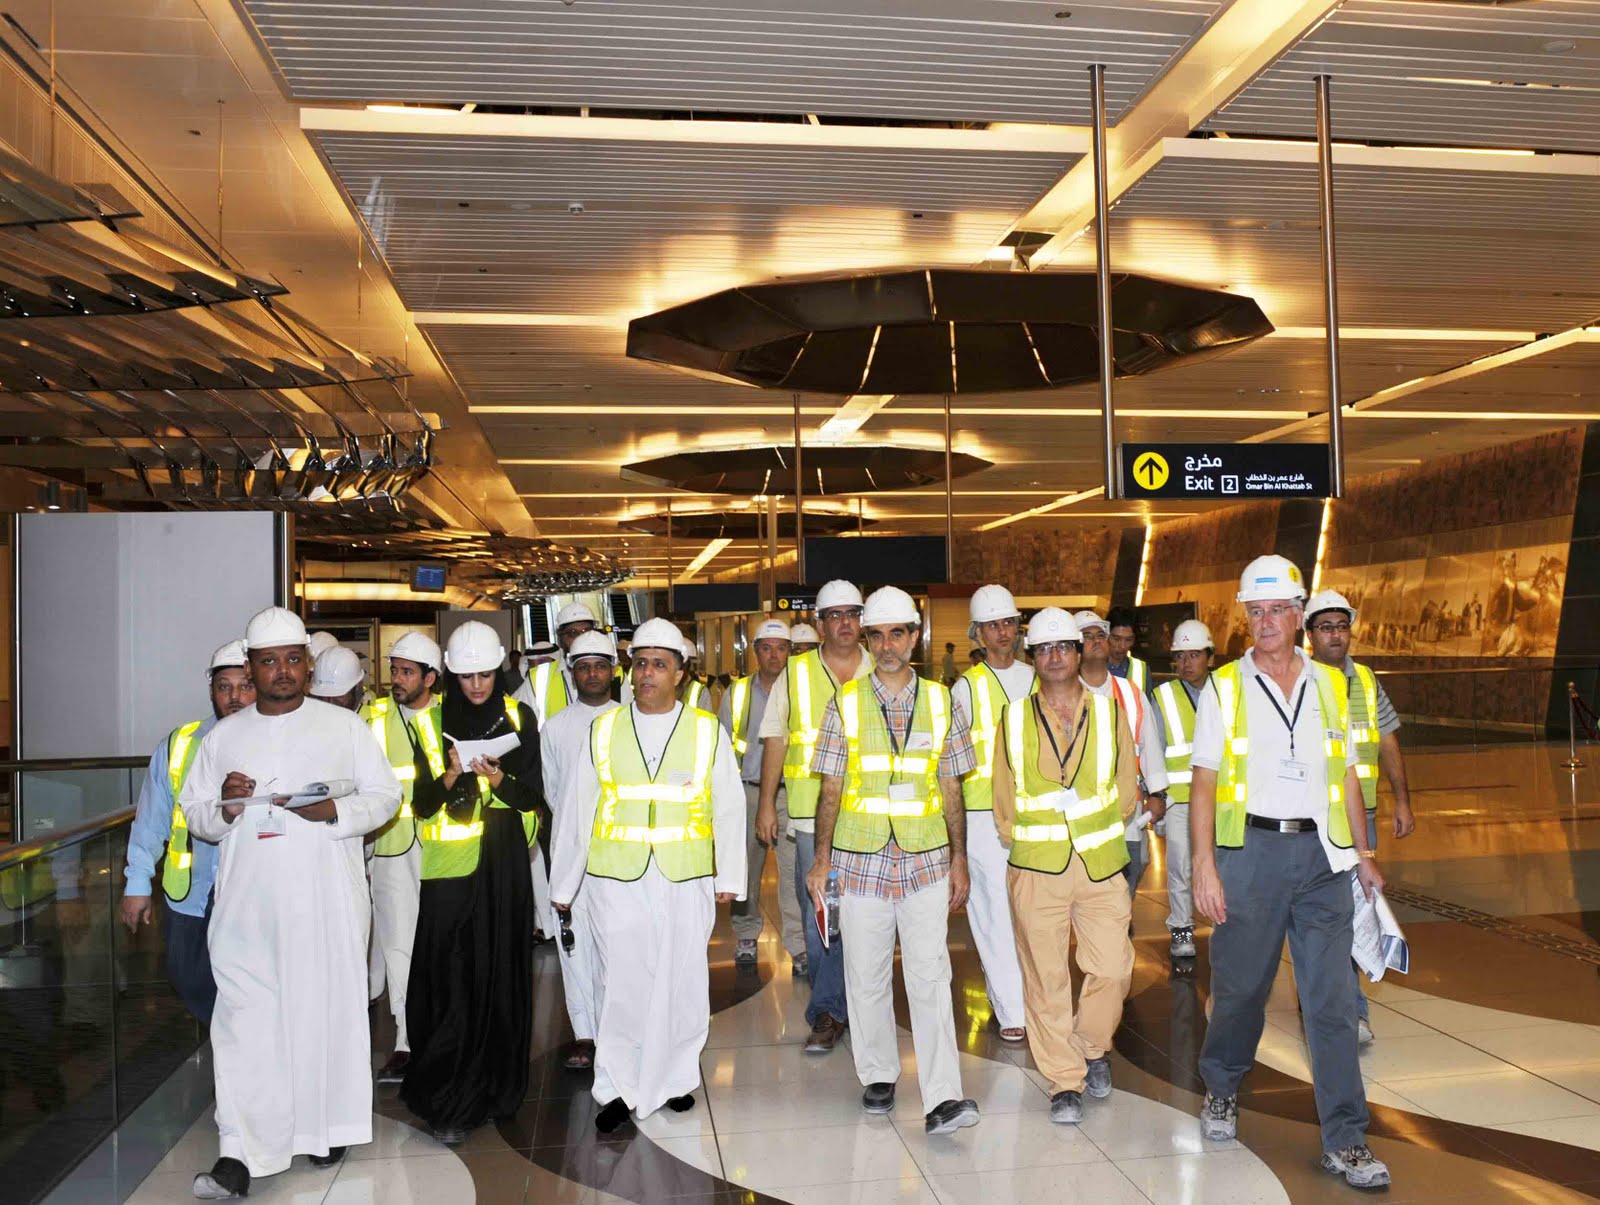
(830, 902)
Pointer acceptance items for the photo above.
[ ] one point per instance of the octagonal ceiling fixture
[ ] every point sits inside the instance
(851, 469)
(941, 330)
(742, 524)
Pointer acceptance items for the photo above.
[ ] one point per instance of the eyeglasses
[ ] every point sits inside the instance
(841, 613)
(1276, 611)
(1329, 629)
(1056, 648)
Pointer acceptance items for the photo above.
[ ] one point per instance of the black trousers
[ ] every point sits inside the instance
(189, 961)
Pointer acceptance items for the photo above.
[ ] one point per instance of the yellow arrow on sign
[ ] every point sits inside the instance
(1150, 471)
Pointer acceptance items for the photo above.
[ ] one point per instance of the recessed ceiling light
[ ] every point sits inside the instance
(1560, 46)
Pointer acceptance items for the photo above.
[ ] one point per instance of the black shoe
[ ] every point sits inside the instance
(1066, 1108)
(335, 1153)
(613, 1117)
(394, 1071)
(681, 1104)
(878, 1098)
(952, 1115)
(227, 1179)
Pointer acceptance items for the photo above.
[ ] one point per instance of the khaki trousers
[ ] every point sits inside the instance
(1049, 912)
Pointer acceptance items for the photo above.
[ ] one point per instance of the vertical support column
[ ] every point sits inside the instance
(949, 502)
(799, 502)
(1330, 282)
(283, 560)
(672, 575)
(1102, 275)
(772, 551)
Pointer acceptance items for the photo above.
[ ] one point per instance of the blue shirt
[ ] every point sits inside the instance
(152, 825)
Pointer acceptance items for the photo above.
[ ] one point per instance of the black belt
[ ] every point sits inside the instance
(1281, 826)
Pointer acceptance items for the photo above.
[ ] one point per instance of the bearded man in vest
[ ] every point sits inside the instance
(981, 695)
(892, 823)
(743, 705)
(1174, 709)
(1277, 828)
(159, 831)
(408, 726)
(1065, 784)
(1374, 733)
(653, 833)
(789, 739)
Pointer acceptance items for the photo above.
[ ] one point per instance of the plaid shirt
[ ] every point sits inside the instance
(891, 873)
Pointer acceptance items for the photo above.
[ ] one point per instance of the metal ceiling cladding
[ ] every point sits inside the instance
(854, 469)
(941, 330)
(741, 524)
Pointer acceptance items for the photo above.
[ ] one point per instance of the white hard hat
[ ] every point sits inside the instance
(804, 633)
(1271, 577)
(474, 648)
(772, 629)
(414, 646)
(574, 612)
(1049, 625)
(992, 602)
(1191, 635)
(230, 656)
(274, 628)
(337, 671)
(321, 642)
(1088, 619)
(888, 604)
(838, 593)
(592, 644)
(1329, 600)
(660, 634)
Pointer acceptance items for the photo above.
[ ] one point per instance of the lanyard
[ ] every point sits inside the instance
(1049, 731)
(1288, 721)
(894, 747)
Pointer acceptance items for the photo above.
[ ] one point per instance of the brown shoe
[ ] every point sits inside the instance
(824, 1034)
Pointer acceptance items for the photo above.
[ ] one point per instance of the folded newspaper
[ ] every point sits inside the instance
(312, 792)
(1379, 945)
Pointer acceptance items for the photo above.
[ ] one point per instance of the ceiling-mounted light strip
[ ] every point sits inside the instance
(704, 558)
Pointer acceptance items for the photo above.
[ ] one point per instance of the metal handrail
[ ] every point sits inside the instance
(42, 764)
(15, 855)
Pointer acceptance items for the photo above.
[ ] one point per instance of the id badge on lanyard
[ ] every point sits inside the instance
(273, 824)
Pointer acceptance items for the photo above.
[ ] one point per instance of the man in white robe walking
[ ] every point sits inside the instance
(289, 924)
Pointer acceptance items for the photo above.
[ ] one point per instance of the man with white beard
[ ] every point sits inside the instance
(289, 925)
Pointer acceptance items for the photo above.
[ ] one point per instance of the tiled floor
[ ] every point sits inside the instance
(1484, 1080)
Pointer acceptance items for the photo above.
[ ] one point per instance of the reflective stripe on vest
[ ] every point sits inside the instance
(449, 848)
(1177, 714)
(1364, 735)
(694, 693)
(176, 869)
(1139, 673)
(1050, 825)
(388, 724)
(1232, 778)
(876, 800)
(739, 713)
(988, 699)
(811, 688)
(666, 817)
(549, 697)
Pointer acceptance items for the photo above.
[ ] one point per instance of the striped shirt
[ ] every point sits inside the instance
(1388, 718)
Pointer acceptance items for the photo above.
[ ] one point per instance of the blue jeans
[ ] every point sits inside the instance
(824, 967)
(189, 961)
(1363, 1009)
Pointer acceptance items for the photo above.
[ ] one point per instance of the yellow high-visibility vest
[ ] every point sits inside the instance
(388, 724)
(1139, 673)
(811, 687)
(887, 791)
(1232, 779)
(1177, 713)
(1052, 821)
(739, 713)
(450, 850)
(549, 691)
(1364, 736)
(989, 698)
(176, 867)
(666, 816)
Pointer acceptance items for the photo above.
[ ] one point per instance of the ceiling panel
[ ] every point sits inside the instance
(924, 60)
(1469, 74)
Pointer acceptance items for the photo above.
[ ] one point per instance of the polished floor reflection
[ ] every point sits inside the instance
(1484, 1079)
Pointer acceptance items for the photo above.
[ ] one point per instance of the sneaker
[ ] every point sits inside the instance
(1182, 943)
(951, 1116)
(1066, 1108)
(227, 1179)
(1363, 1032)
(394, 1071)
(824, 1034)
(1219, 1118)
(745, 951)
(878, 1098)
(802, 968)
(1359, 1167)
(1097, 1082)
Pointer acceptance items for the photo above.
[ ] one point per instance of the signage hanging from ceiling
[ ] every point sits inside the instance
(1225, 471)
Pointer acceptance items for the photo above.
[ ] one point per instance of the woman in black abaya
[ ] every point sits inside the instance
(469, 1005)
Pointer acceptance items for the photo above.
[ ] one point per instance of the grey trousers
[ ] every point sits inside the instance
(1278, 885)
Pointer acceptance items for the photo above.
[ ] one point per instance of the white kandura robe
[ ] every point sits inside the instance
(563, 742)
(651, 934)
(288, 934)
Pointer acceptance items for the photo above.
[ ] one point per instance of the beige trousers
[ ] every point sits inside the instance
(1049, 912)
